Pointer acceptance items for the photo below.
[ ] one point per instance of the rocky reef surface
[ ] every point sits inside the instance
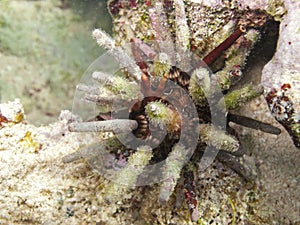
(281, 76)
(37, 187)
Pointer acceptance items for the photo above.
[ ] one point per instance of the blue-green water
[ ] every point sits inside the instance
(45, 47)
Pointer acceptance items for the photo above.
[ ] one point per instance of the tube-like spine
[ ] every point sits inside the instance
(182, 42)
(215, 54)
(129, 174)
(171, 173)
(235, 61)
(160, 25)
(200, 86)
(116, 126)
(105, 41)
(237, 98)
(217, 138)
(190, 194)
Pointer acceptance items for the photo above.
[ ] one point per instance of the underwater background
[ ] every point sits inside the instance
(45, 47)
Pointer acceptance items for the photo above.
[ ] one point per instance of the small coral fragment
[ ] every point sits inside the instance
(12, 111)
(28, 142)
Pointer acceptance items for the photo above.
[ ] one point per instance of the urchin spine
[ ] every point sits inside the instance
(217, 138)
(237, 98)
(116, 126)
(172, 169)
(105, 41)
(129, 174)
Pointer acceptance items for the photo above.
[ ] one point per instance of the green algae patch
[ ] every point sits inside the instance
(237, 98)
